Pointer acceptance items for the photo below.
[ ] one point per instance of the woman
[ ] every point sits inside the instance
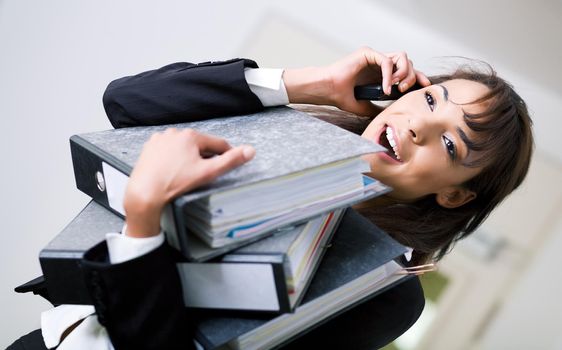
(456, 149)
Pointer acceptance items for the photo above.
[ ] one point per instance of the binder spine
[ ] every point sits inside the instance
(281, 286)
(178, 229)
(64, 278)
(86, 165)
(90, 178)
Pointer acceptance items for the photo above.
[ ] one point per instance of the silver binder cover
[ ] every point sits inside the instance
(286, 141)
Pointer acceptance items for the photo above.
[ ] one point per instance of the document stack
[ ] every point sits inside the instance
(361, 262)
(303, 167)
(274, 240)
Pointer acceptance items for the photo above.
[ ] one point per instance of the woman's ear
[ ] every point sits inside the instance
(454, 196)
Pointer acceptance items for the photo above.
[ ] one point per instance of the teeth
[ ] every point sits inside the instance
(390, 137)
(396, 153)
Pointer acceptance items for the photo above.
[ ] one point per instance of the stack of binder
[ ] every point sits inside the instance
(274, 237)
(303, 167)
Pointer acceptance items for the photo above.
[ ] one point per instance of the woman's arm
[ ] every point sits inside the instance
(140, 301)
(334, 84)
(181, 92)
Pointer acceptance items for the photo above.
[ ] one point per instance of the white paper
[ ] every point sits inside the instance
(115, 185)
(229, 286)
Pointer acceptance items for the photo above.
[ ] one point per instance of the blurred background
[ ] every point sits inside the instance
(499, 289)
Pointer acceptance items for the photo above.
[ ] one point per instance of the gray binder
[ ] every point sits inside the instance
(286, 141)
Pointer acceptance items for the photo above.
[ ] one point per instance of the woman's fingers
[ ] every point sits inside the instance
(334, 84)
(386, 68)
(422, 79)
(174, 161)
(225, 159)
(402, 64)
(404, 75)
(229, 160)
(410, 78)
(209, 144)
(384, 62)
(171, 163)
(396, 67)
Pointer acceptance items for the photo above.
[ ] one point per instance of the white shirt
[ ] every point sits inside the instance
(267, 85)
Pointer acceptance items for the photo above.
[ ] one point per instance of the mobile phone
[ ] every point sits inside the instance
(374, 92)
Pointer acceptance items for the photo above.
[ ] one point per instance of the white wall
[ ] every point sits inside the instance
(56, 57)
(531, 317)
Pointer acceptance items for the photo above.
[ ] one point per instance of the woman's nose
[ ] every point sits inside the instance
(415, 128)
(413, 134)
(421, 129)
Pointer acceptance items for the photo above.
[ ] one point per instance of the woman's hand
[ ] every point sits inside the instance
(334, 84)
(171, 163)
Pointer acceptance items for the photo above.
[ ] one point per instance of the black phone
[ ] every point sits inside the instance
(374, 92)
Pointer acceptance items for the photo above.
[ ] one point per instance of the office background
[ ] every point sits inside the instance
(499, 290)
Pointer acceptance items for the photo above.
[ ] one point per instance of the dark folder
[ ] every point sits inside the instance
(361, 263)
(261, 264)
(60, 259)
(287, 142)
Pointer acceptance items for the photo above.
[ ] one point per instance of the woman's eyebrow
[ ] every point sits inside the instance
(469, 144)
(445, 93)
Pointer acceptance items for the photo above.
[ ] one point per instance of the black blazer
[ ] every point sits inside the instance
(139, 301)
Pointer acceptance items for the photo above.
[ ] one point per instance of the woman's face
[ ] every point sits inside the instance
(424, 128)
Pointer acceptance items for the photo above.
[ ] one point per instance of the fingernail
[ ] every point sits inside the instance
(248, 152)
(403, 87)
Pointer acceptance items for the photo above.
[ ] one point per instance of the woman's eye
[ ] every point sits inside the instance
(450, 146)
(430, 101)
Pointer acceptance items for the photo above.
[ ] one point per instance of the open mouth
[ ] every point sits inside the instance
(387, 141)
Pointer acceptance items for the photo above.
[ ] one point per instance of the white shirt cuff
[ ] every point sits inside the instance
(89, 334)
(123, 248)
(267, 84)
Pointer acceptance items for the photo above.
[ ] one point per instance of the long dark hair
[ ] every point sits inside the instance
(504, 146)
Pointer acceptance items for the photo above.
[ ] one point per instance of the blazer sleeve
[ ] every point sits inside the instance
(181, 92)
(139, 301)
